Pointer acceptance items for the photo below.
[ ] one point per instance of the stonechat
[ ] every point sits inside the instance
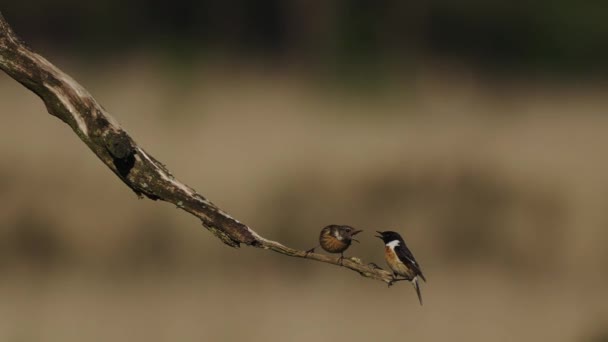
(401, 260)
(336, 239)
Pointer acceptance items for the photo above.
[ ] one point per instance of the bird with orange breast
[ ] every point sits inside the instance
(336, 239)
(401, 260)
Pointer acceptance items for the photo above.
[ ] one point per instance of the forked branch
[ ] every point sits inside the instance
(146, 176)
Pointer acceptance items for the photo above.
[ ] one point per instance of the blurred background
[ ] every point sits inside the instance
(477, 130)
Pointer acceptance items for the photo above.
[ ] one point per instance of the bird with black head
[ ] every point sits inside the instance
(401, 260)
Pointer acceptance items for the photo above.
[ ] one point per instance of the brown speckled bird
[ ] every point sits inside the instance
(336, 239)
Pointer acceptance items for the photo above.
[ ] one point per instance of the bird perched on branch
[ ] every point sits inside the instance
(336, 239)
(401, 260)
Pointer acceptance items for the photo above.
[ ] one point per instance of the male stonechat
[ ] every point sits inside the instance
(336, 239)
(401, 260)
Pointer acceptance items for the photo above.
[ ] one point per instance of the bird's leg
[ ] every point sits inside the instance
(341, 258)
(400, 279)
(395, 279)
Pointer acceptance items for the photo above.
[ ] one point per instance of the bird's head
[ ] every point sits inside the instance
(389, 236)
(345, 232)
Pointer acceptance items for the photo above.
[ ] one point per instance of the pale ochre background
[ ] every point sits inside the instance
(500, 189)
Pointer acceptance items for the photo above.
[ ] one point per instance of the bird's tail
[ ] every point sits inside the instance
(417, 287)
(422, 276)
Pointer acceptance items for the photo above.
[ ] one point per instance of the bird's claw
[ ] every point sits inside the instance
(374, 266)
(341, 261)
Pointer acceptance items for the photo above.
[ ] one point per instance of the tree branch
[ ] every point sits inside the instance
(70, 102)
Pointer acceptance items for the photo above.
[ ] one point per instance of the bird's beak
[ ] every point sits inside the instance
(378, 236)
(355, 233)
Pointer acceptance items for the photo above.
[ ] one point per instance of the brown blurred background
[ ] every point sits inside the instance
(477, 130)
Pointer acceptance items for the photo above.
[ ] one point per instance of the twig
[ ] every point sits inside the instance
(146, 176)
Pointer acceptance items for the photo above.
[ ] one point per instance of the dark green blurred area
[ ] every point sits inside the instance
(554, 37)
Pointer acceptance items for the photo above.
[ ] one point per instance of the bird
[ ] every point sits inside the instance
(336, 239)
(401, 260)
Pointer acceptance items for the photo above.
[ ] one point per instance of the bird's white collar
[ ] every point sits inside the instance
(393, 244)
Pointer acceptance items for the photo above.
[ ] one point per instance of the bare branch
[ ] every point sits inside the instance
(146, 176)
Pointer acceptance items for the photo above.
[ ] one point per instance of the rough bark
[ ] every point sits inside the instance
(70, 102)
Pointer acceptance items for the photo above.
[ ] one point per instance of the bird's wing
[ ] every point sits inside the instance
(406, 256)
